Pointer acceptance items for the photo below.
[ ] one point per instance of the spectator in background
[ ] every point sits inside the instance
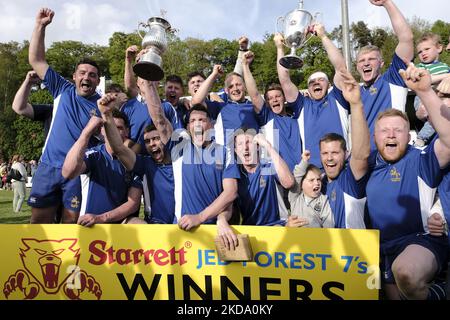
(33, 167)
(3, 174)
(18, 184)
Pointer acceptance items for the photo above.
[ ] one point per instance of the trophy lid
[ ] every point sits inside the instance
(159, 20)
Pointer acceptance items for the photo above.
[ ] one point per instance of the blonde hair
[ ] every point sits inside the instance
(229, 76)
(369, 48)
(393, 113)
(430, 36)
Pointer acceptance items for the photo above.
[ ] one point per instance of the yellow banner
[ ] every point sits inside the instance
(162, 262)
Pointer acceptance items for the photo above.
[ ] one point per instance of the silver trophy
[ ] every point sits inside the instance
(149, 66)
(295, 26)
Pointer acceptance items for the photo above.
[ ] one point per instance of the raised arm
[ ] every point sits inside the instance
(117, 214)
(74, 163)
(150, 92)
(334, 54)
(284, 174)
(243, 47)
(20, 104)
(405, 46)
(250, 82)
(222, 202)
(126, 155)
(360, 135)
(419, 80)
(206, 86)
(36, 53)
(289, 88)
(129, 79)
(300, 171)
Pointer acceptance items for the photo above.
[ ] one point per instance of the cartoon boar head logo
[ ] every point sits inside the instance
(47, 261)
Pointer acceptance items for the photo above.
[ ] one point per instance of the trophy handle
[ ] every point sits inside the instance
(317, 18)
(280, 19)
(139, 30)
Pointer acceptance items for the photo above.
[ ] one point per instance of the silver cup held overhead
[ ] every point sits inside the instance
(294, 26)
(149, 66)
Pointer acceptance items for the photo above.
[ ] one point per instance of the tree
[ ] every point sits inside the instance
(12, 70)
(115, 53)
(29, 138)
(361, 35)
(7, 134)
(264, 66)
(443, 29)
(64, 55)
(418, 27)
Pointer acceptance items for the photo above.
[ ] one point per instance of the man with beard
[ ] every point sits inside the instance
(314, 116)
(74, 105)
(155, 169)
(113, 192)
(380, 92)
(400, 193)
(205, 182)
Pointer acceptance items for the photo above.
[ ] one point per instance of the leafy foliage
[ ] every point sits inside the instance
(64, 55)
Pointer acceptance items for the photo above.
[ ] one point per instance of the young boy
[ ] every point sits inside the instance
(429, 46)
(309, 207)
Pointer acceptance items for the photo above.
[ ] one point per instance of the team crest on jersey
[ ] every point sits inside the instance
(318, 206)
(93, 112)
(128, 178)
(373, 90)
(395, 175)
(333, 195)
(74, 203)
(219, 165)
(262, 182)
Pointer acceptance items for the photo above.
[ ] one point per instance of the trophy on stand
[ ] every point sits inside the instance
(149, 66)
(295, 26)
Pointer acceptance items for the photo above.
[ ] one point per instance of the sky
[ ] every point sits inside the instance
(95, 21)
